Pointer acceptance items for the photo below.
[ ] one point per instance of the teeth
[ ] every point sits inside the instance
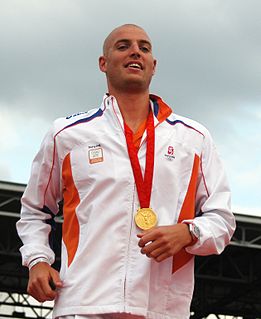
(135, 65)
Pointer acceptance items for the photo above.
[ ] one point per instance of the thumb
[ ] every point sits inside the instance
(55, 280)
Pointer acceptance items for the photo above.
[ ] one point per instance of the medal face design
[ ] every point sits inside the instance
(145, 218)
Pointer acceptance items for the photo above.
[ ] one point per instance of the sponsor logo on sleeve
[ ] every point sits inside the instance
(75, 114)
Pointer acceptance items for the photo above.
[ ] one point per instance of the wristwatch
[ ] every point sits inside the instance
(194, 231)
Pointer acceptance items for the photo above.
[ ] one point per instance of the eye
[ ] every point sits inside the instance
(145, 49)
(122, 47)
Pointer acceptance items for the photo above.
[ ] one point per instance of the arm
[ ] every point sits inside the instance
(213, 198)
(214, 218)
(39, 205)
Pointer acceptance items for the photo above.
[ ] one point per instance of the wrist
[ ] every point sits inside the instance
(194, 233)
(37, 261)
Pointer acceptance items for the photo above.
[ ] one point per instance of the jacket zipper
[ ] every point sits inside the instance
(128, 249)
(131, 223)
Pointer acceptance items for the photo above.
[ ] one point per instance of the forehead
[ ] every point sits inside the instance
(126, 33)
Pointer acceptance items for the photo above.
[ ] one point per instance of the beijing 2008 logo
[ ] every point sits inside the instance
(170, 153)
(170, 150)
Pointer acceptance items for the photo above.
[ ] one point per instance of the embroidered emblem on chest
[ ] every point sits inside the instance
(95, 154)
(170, 154)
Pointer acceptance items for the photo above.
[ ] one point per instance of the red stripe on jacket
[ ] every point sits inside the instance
(187, 212)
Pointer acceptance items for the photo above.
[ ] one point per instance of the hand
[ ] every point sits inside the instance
(162, 242)
(43, 281)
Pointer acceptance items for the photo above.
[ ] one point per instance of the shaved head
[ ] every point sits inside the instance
(110, 37)
(127, 60)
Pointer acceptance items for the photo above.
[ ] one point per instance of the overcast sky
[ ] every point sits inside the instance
(209, 69)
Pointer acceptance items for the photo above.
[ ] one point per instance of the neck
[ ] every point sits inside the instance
(134, 108)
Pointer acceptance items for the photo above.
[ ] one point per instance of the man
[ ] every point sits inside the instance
(143, 191)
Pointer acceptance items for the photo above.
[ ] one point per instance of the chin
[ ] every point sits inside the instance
(136, 84)
(135, 87)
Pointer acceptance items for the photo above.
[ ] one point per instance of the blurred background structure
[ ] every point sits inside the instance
(226, 285)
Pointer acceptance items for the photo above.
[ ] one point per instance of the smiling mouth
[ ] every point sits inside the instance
(136, 66)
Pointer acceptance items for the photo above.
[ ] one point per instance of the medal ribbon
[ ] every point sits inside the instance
(144, 186)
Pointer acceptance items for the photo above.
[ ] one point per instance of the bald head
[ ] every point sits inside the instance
(109, 40)
(127, 60)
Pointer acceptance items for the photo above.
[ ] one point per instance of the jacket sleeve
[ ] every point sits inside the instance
(40, 203)
(213, 204)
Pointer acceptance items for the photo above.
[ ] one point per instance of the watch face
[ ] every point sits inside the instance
(196, 231)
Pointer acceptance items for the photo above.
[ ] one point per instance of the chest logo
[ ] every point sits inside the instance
(95, 155)
(170, 154)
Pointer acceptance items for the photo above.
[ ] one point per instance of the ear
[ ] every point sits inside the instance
(102, 63)
(154, 66)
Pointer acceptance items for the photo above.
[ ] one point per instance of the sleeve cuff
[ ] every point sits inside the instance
(38, 260)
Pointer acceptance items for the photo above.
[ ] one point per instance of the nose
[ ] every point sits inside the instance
(135, 50)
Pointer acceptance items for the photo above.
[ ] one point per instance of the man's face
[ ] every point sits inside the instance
(127, 60)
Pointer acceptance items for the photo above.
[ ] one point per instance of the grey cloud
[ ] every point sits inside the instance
(209, 66)
(208, 53)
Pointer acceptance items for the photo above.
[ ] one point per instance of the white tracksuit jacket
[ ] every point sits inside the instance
(84, 160)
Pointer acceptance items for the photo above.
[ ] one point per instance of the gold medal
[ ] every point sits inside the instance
(145, 218)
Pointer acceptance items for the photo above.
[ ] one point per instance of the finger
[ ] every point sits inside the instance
(157, 252)
(37, 292)
(46, 288)
(164, 252)
(140, 235)
(147, 249)
(162, 257)
(148, 237)
(52, 284)
(36, 295)
(55, 280)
